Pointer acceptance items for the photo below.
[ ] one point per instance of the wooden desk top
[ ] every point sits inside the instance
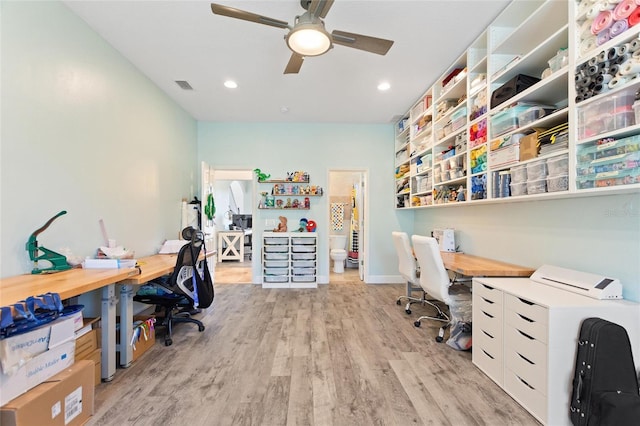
(66, 283)
(475, 266)
(155, 266)
(152, 267)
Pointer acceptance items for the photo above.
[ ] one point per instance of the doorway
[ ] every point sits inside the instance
(233, 224)
(347, 217)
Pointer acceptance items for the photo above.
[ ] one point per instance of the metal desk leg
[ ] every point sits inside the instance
(108, 332)
(126, 320)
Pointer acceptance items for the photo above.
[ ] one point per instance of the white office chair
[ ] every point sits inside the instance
(408, 268)
(435, 281)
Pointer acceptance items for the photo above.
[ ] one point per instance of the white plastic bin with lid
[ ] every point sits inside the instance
(557, 183)
(519, 174)
(558, 165)
(536, 186)
(537, 170)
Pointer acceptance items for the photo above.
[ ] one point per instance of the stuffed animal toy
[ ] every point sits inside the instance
(282, 226)
(261, 176)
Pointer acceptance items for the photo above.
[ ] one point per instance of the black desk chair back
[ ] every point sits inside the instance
(189, 287)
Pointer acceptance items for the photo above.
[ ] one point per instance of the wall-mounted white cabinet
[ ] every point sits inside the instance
(537, 107)
(289, 260)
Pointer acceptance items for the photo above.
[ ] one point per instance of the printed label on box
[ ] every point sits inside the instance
(56, 409)
(72, 405)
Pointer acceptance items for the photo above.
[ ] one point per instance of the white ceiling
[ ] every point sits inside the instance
(184, 40)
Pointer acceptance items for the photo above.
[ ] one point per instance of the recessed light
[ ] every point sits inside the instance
(384, 86)
(230, 84)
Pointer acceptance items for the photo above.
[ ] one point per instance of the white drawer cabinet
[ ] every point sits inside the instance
(289, 260)
(487, 331)
(525, 336)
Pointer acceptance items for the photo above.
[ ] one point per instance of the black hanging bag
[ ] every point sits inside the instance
(605, 385)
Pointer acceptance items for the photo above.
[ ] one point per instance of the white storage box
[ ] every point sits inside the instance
(304, 271)
(537, 186)
(276, 256)
(276, 249)
(519, 174)
(557, 183)
(303, 249)
(276, 271)
(276, 263)
(304, 264)
(536, 170)
(303, 241)
(276, 240)
(503, 156)
(303, 278)
(303, 256)
(276, 279)
(558, 165)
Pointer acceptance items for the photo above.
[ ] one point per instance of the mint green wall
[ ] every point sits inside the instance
(84, 131)
(600, 234)
(316, 148)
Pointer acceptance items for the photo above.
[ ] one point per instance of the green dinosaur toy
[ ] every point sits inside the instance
(261, 176)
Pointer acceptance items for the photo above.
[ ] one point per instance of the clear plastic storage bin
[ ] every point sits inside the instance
(518, 189)
(558, 165)
(536, 170)
(557, 183)
(303, 256)
(537, 186)
(519, 174)
(276, 256)
(606, 114)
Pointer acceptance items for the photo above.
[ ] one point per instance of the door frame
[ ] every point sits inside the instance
(363, 219)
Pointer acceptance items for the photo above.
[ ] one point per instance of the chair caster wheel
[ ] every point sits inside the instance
(201, 328)
(408, 311)
(398, 302)
(438, 339)
(417, 323)
(168, 342)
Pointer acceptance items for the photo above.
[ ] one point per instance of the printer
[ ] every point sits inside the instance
(591, 285)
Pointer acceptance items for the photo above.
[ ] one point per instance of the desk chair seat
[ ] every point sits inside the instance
(408, 268)
(435, 280)
(188, 289)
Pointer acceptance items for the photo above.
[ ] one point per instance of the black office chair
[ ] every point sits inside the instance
(184, 292)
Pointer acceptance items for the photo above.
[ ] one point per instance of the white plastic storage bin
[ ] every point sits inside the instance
(519, 174)
(303, 241)
(536, 170)
(303, 249)
(519, 188)
(303, 256)
(276, 249)
(304, 271)
(276, 241)
(276, 263)
(537, 186)
(276, 256)
(558, 165)
(304, 264)
(276, 271)
(557, 183)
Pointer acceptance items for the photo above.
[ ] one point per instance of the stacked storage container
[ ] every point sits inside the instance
(558, 178)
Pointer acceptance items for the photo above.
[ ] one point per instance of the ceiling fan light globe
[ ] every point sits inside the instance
(309, 40)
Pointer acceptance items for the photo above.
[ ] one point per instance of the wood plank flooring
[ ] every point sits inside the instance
(342, 354)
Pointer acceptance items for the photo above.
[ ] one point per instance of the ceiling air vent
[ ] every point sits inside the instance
(184, 85)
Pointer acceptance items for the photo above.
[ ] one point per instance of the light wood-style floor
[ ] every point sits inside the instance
(342, 354)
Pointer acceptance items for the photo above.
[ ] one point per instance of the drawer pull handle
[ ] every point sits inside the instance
(527, 384)
(526, 335)
(487, 300)
(526, 359)
(489, 315)
(525, 301)
(487, 334)
(488, 354)
(525, 318)
(487, 287)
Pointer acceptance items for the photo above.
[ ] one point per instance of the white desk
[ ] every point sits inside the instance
(231, 244)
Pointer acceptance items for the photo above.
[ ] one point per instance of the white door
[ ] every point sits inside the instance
(360, 202)
(208, 203)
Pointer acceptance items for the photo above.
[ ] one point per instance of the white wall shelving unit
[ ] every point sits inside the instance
(521, 40)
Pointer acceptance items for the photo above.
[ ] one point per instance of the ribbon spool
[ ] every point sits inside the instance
(624, 9)
(614, 69)
(617, 81)
(602, 22)
(600, 88)
(629, 68)
(634, 18)
(618, 27)
(587, 45)
(634, 45)
(603, 37)
(593, 61)
(622, 49)
(602, 56)
(622, 59)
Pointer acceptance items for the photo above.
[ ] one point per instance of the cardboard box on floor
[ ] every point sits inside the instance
(36, 370)
(65, 399)
(15, 351)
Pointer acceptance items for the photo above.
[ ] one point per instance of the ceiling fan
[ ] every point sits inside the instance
(307, 36)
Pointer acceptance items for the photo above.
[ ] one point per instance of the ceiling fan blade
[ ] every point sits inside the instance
(358, 41)
(294, 65)
(320, 8)
(231, 12)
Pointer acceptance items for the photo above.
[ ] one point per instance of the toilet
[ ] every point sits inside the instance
(337, 245)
